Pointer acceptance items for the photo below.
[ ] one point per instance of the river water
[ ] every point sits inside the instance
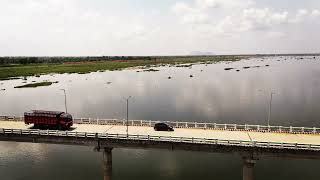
(211, 95)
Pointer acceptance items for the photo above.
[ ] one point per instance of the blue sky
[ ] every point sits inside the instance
(153, 27)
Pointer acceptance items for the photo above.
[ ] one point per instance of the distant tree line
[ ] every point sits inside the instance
(38, 60)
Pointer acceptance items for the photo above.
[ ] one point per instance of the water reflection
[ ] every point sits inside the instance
(211, 95)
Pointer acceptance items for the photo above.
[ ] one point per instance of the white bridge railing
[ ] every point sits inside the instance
(239, 143)
(193, 125)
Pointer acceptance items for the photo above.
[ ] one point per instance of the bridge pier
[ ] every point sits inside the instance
(107, 163)
(247, 168)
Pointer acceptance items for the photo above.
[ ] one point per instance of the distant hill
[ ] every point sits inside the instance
(201, 53)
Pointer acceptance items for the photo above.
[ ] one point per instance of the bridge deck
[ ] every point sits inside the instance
(313, 139)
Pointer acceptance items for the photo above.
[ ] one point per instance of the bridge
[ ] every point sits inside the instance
(252, 142)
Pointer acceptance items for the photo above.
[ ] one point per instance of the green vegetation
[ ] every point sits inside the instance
(33, 85)
(8, 71)
(151, 70)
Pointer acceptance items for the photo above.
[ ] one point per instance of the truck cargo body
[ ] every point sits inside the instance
(48, 119)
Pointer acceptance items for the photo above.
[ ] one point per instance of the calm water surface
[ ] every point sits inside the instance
(211, 95)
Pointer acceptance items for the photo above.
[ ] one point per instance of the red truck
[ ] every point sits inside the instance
(48, 119)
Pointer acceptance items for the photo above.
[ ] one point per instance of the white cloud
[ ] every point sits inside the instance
(303, 15)
(205, 4)
(300, 16)
(274, 34)
(181, 7)
(135, 31)
(263, 18)
(189, 14)
(250, 19)
(240, 17)
(199, 11)
(315, 13)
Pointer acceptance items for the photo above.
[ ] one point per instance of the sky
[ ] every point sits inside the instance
(158, 27)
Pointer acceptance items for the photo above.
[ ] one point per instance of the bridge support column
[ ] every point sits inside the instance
(247, 171)
(107, 163)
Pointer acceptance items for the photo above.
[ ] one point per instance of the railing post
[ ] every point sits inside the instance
(177, 124)
(254, 143)
(186, 125)
(290, 129)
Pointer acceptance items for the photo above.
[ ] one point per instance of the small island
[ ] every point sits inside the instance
(34, 85)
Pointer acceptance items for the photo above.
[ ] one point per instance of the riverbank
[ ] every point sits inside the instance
(82, 67)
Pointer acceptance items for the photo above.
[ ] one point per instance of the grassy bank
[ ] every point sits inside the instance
(18, 70)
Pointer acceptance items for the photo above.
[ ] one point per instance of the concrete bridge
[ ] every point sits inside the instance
(252, 142)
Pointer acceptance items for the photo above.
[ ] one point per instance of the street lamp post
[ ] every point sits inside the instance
(270, 109)
(270, 106)
(128, 115)
(65, 99)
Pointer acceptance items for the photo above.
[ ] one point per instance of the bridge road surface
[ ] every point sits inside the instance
(313, 139)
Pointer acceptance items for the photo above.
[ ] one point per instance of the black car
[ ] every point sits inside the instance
(163, 127)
